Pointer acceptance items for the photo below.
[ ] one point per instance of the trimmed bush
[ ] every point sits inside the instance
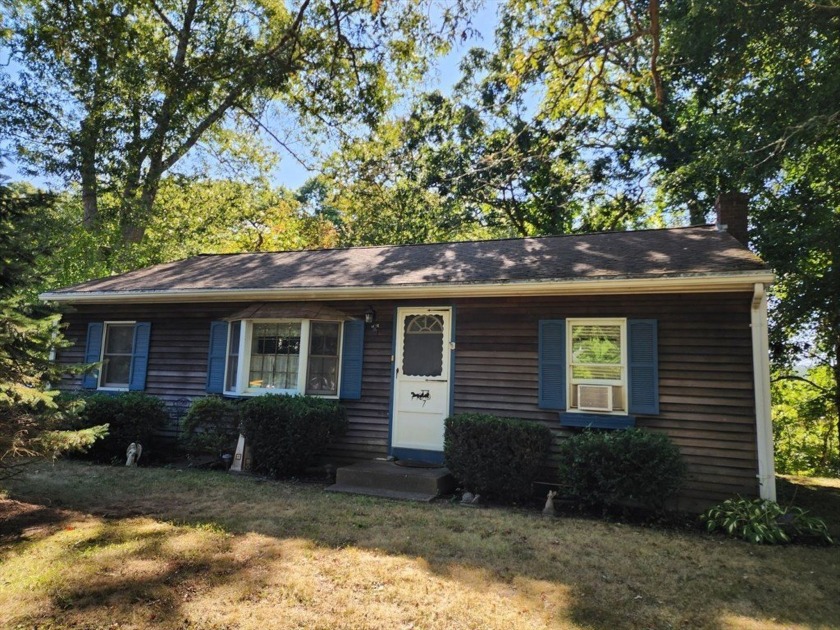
(495, 457)
(131, 417)
(211, 426)
(620, 467)
(285, 433)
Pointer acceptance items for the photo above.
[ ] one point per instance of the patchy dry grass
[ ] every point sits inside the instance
(90, 547)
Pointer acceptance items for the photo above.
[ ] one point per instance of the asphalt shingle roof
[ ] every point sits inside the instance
(608, 255)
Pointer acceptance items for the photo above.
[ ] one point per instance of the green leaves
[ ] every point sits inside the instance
(285, 433)
(804, 422)
(759, 521)
(115, 95)
(30, 415)
(606, 469)
(495, 457)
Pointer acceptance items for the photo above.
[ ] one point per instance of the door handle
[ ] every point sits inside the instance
(435, 380)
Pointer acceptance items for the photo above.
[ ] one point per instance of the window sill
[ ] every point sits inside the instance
(112, 389)
(273, 392)
(596, 420)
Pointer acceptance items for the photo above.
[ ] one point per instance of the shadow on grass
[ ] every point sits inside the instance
(614, 575)
(819, 499)
(17, 518)
(149, 587)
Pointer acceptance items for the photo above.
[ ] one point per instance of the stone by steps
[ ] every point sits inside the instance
(389, 480)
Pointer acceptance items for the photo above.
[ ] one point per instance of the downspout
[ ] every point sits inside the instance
(761, 378)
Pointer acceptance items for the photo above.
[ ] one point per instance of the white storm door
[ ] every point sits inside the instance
(422, 378)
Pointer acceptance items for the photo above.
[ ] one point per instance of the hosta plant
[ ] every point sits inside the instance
(762, 521)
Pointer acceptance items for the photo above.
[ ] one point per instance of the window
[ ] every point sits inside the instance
(283, 357)
(120, 351)
(322, 379)
(233, 356)
(599, 372)
(275, 356)
(117, 352)
(597, 365)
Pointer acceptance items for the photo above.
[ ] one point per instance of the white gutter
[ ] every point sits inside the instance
(699, 283)
(761, 376)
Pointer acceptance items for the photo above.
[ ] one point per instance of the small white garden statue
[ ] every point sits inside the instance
(548, 510)
(132, 454)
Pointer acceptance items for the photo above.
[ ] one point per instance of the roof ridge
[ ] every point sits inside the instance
(441, 243)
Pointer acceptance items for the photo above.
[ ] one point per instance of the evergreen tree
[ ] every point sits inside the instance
(30, 415)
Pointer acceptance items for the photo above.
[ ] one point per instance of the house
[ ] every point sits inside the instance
(661, 329)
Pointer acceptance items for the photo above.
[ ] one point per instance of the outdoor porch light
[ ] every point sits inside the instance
(370, 318)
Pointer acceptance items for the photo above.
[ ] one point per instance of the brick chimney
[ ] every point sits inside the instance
(732, 208)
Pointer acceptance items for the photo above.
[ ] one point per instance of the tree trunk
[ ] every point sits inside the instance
(696, 213)
(87, 171)
(836, 391)
(89, 203)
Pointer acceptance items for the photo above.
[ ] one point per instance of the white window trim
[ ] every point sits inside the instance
(244, 359)
(99, 385)
(571, 382)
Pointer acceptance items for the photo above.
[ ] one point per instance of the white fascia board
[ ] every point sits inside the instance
(698, 283)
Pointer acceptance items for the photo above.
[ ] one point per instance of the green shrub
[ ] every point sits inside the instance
(495, 457)
(762, 521)
(131, 417)
(285, 433)
(620, 467)
(211, 425)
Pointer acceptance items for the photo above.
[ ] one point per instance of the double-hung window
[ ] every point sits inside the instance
(597, 365)
(599, 372)
(120, 351)
(117, 352)
(283, 357)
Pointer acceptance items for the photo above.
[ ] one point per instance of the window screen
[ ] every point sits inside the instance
(423, 345)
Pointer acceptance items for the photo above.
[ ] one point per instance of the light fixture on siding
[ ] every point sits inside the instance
(370, 319)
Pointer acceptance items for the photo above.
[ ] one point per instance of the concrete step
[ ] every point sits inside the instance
(387, 479)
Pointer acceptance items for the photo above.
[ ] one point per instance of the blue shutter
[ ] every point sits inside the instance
(93, 354)
(139, 356)
(643, 373)
(352, 351)
(216, 357)
(552, 358)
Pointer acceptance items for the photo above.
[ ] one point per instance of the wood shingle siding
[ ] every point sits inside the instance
(706, 398)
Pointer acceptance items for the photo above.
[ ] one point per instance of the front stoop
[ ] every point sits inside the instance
(388, 480)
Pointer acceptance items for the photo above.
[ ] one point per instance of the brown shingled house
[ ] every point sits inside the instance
(407, 335)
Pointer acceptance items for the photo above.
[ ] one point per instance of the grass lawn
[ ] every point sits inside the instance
(97, 547)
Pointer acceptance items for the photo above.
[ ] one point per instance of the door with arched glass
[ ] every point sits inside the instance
(422, 382)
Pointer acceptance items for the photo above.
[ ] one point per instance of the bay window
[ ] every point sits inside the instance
(283, 357)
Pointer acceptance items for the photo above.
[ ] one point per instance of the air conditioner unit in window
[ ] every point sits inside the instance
(595, 397)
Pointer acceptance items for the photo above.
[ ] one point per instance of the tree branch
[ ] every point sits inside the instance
(255, 119)
(793, 377)
(655, 74)
(163, 17)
